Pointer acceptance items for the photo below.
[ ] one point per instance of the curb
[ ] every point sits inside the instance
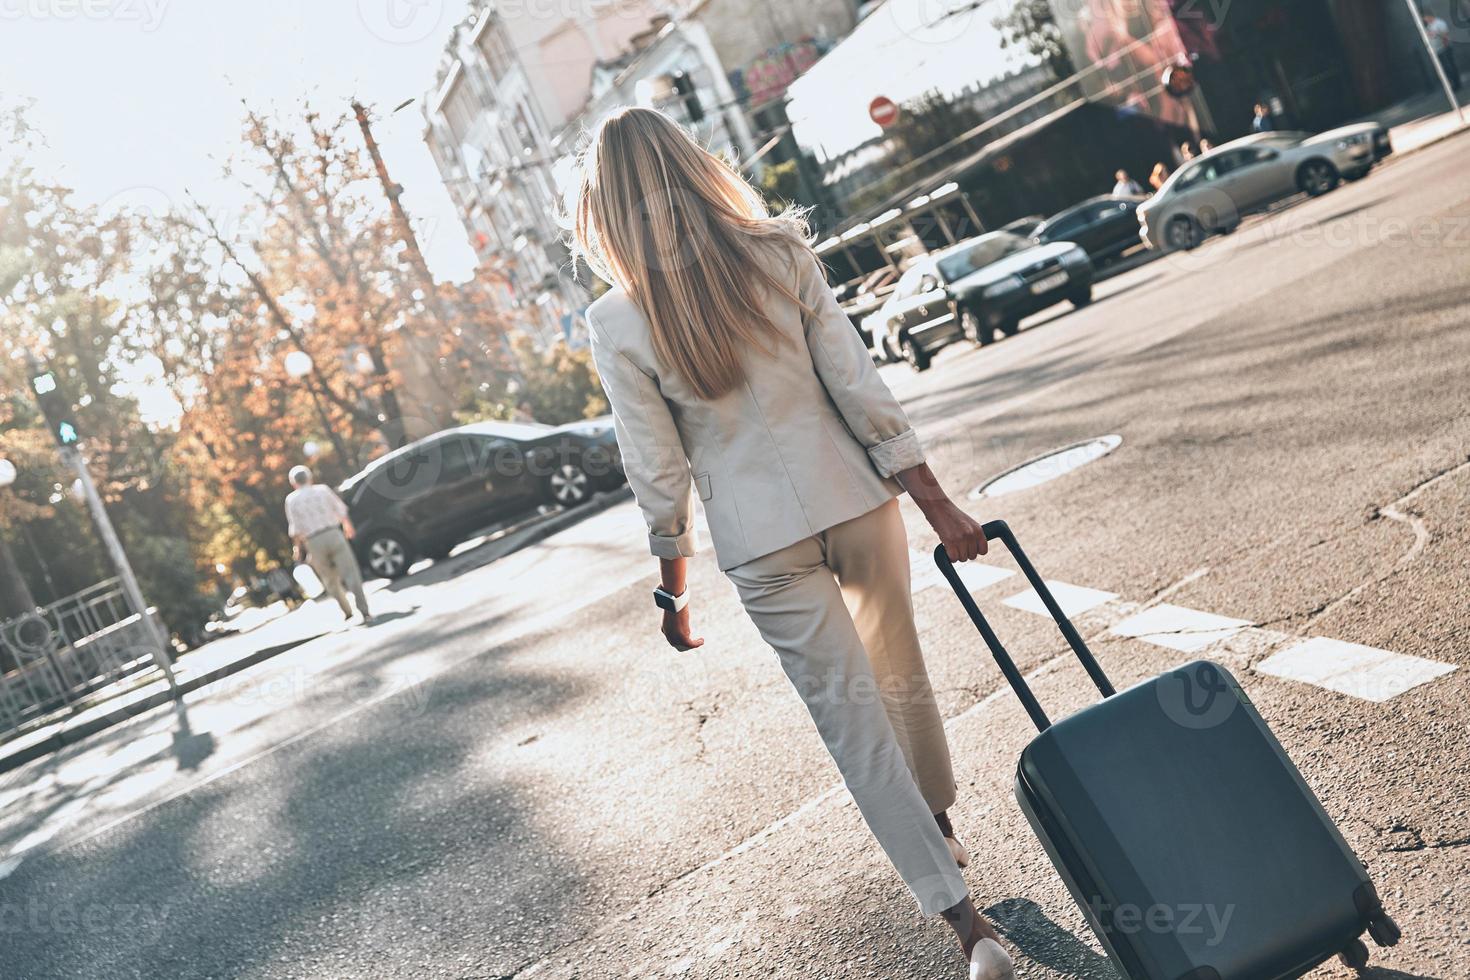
(554, 524)
(70, 735)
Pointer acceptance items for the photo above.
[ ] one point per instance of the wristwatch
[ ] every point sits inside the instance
(669, 602)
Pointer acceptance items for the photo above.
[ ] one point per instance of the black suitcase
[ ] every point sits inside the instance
(1182, 830)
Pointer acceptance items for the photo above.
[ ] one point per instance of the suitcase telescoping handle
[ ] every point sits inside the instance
(999, 531)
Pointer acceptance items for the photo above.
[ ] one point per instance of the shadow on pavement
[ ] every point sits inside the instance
(190, 748)
(380, 619)
(1040, 939)
(1127, 263)
(342, 850)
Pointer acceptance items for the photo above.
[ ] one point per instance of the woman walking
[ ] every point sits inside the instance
(732, 373)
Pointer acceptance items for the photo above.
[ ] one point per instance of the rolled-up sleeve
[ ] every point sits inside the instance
(648, 441)
(846, 370)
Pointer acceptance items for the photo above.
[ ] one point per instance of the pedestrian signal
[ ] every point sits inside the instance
(56, 408)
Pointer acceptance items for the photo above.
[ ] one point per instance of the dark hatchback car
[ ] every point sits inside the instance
(1105, 226)
(979, 287)
(423, 499)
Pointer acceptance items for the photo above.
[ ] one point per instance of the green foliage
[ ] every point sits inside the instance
(1032, 24)
(557, 384)
(926, 124)
(780, 185)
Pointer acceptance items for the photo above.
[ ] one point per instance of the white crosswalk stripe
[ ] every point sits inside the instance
(1351, 668)
(923, 573)
(1179, 627)
(1074, 599)
(1336, 665)
(976, 575)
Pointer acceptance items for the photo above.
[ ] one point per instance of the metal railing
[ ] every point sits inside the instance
(55, 657)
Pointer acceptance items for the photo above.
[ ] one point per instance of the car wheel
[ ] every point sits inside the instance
(1317, 177)
(917, 356)
(568, 485)
(1081, 298)
(1010, 326)
(976, 330)
(1183, 233)
(387, 555)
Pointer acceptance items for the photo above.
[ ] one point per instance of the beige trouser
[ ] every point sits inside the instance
(836, 608)
(335, 564)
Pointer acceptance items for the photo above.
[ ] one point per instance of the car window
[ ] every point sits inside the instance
(1106, 209)
(980, 253)
(454, 460)
(1209, 169)
(403, 475)
(1063, 226)
(1190, 176)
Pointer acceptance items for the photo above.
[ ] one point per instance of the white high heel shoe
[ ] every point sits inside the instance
(958, 852)
(989, 962)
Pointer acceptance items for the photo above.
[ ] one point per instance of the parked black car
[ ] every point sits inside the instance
(423, 499)
(1105, 226)
(978, 287)
(1023, 227)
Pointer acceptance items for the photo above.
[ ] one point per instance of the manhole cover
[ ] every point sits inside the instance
(1056, 463)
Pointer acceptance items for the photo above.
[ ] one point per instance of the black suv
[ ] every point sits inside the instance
(1105, 226)
(423, 499)
(978, 287)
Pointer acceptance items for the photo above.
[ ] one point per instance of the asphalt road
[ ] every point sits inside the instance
(511, 778)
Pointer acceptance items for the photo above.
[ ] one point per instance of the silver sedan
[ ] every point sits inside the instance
(1211, 194)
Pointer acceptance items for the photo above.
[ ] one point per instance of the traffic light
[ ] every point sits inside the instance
(684, 88)
(60, 416)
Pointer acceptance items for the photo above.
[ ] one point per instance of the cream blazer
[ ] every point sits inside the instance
(811, 439)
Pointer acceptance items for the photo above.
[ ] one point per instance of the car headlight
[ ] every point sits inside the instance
(1350, 141)
(1007, 285)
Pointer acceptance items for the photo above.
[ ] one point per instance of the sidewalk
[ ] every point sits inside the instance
(1419, 122)
(1419, 133)
(231, 654)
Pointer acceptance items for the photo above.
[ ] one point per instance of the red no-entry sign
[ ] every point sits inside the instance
(883, 111)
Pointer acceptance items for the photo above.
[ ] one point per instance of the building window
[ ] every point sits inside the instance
(524, 134)
(460, 110)
(497, 53)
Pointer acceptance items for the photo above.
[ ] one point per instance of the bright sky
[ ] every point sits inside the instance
(901, 50)
(140, 99)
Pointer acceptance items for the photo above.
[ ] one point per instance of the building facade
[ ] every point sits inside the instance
(510, 78)
(675, 69)
(519, 85)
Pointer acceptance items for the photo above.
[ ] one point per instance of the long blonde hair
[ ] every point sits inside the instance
(682, 233)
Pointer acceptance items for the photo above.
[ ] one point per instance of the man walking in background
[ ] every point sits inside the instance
(316, 519)
(1439, 39)
(1126, 186)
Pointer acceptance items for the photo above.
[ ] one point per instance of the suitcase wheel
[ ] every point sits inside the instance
(1355, 955)
(1384, 930)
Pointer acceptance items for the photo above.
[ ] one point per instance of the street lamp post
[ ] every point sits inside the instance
(300, 366)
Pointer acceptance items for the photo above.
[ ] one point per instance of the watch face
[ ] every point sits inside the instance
(663, 599)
